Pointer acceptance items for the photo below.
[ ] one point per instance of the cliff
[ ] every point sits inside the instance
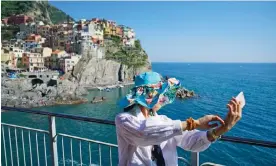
(39, 10)
(119, 64)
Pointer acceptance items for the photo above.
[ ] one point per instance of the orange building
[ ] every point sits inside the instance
(119, 31)
(25, 59)
(34, 37)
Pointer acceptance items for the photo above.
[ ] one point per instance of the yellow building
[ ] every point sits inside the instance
(5, 56)
(107, 31)
(109, 27)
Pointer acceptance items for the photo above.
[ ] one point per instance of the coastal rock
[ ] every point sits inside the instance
(21, 93)
(4, 91)
(104, 72)
(80, 91)
(51, 92)
(184, 93)
(97, 72)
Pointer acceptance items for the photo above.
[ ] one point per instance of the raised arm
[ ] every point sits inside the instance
(195, 141)
(151, 131)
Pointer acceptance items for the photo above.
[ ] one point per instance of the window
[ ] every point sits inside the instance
(72, 61)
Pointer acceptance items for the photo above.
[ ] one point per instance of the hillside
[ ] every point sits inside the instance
(39, 10)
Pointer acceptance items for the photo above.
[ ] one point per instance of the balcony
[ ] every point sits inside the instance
(23, 145)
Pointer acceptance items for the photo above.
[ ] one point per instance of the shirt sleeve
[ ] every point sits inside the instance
(151, 131)
(195, 140)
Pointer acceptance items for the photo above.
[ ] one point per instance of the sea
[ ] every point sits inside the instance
(214, 83)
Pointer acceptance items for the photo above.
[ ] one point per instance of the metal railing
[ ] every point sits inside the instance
(53, 136)
(28, 130)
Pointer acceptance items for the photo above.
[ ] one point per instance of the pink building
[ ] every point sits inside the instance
(19, 19)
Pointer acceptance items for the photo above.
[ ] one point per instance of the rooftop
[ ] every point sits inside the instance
(56, 52)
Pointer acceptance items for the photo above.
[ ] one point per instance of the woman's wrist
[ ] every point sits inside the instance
(183, 125)
(212, 135)
(209, 136)
(220, 130)
(189, 124)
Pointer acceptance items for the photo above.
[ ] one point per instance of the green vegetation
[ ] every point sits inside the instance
(58, 16)
(131, 57)
(134, 57)
(21, 75)
(20, 64)
(138, 44)
(9, 8)
(9, 32)
(116, 39)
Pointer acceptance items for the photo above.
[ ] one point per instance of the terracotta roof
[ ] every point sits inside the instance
(56, 52)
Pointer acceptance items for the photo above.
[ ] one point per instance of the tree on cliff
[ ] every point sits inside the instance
(138, 44)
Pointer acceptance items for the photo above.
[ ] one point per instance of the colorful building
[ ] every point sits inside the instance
(36, 38)
(4, 21)
(17, 52)
(25, 59)
(119, 31)
(5, 56)
(19, 19)
(30, 44)
(97, 40)
(46, 52)
(36, 62)
(14, 59)
(109, 27)
(29, 28)
(67, 63)
(52, 62)
(44, 30)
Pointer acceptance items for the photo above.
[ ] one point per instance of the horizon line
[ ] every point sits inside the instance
(212, 62)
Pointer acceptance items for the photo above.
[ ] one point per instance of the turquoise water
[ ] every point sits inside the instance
(215, 84)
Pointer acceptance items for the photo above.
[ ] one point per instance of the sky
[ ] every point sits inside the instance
(191, 31)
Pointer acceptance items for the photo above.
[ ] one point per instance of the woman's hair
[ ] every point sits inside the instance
(129, 107)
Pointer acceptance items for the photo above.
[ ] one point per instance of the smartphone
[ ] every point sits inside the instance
(240, 98)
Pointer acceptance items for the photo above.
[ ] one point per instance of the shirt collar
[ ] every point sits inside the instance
(138, 113)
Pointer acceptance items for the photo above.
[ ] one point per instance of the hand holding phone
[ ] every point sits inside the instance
(240, 98)
(233, 116)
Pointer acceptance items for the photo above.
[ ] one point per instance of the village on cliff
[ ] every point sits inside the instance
(56, 64)
(44, 48)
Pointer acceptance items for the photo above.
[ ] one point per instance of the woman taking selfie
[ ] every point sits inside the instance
(146, 138)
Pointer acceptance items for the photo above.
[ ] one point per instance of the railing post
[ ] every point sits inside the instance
(195, 159)
(53, 140)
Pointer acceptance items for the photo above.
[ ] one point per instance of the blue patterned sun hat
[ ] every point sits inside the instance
(151, 91)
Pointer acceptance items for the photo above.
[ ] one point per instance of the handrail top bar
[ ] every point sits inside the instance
(269, 144)
(25, 128)
(81, 118)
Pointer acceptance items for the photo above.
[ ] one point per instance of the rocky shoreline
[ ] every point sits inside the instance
(23, 93)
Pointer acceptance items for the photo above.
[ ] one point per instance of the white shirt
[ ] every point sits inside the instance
(136, 135)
